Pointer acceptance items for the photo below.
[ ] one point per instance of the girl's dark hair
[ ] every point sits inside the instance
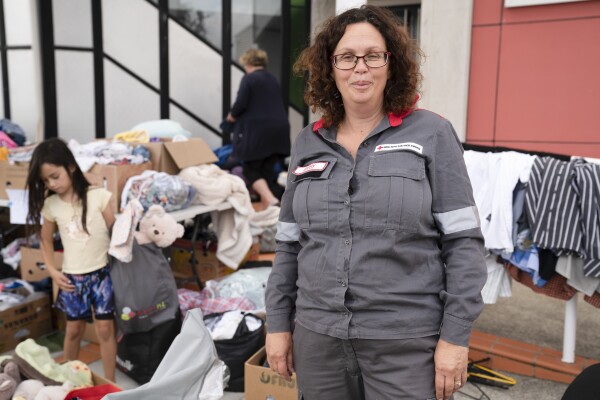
(401, 89)
(53, 151)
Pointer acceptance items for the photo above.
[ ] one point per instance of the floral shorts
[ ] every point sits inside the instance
(92, 290)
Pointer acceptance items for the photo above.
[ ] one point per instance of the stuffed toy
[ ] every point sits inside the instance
(28, 389)
(32, 389)
(9, 379)
(54, 392)
(158, 227)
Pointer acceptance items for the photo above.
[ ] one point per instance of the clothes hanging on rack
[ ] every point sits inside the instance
(561, 202)
(493, 178)
(530, 209)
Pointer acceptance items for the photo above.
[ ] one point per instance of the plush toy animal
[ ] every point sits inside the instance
(158, 227)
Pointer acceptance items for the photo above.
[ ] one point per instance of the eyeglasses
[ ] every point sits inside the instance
(349, 61)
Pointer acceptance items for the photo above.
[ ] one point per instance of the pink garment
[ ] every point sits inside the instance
(190, 299)
(6, 141)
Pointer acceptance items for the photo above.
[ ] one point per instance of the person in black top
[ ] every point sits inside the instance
(261, 135)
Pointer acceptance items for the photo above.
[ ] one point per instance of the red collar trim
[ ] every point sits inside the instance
(394, 119)
(318, 125)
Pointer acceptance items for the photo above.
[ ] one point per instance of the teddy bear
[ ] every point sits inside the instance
(158, 227)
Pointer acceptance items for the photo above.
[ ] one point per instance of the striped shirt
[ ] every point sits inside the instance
(561, 202)
(587, 186)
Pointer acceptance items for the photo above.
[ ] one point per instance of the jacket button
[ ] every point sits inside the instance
(347, 242)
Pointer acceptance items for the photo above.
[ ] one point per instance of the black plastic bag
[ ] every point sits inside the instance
(234, 352)
(139, 354)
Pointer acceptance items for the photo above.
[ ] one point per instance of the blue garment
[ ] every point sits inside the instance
(223, 153)
(93, 289)
(13, 130)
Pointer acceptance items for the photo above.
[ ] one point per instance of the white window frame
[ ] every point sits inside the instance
(524, 3)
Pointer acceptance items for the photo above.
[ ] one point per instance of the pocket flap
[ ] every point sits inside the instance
(398, 163)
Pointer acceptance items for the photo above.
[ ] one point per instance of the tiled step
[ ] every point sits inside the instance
(524, 358)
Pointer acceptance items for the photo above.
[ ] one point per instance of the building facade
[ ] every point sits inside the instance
(511, 73)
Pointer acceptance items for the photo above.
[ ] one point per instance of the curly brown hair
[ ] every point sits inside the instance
(402, 87)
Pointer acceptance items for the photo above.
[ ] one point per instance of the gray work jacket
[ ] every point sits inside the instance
(384, 246)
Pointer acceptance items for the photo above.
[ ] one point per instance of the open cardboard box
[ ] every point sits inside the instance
(114, 177)
(260, 382)
(29, 319)
(100, 380)
(172, 157)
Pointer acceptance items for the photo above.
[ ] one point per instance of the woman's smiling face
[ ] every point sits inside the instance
(361, 85)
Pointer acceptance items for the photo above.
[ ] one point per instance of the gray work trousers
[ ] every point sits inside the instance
(329, 368)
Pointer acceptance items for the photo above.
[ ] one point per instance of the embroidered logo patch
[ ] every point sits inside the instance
(417, 148)
(316, 166)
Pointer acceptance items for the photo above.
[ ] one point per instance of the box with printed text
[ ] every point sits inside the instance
(28, 319)
(261, 383)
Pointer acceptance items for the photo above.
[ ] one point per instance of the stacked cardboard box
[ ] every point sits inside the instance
(29, 319)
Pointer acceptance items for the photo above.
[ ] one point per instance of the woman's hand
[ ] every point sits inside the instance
(450, 368)
(61, 280)
(279, 354)
(230, 118)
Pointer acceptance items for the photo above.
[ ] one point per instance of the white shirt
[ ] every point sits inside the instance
(494, 177)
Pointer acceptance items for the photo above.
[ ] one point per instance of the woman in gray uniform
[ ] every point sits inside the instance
(380, 258)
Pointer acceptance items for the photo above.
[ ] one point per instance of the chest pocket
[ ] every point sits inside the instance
(395, 194)
(311, 197)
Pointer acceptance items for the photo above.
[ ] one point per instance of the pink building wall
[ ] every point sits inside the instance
(535, 77)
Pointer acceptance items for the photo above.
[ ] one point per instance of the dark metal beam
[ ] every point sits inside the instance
(285, 51)
(163, 32)
(100, 112)
(4, 62)
(48, 68)
(226, 52)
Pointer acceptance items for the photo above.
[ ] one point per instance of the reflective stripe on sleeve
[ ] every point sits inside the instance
(287, 232)
(457, 220)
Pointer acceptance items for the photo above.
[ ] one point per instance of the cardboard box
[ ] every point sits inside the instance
(32, 264)
(29, 319)
(12, 176)
(207, 265)
(171, 157)
(114, 177)
(261, 382)
(100, 380)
